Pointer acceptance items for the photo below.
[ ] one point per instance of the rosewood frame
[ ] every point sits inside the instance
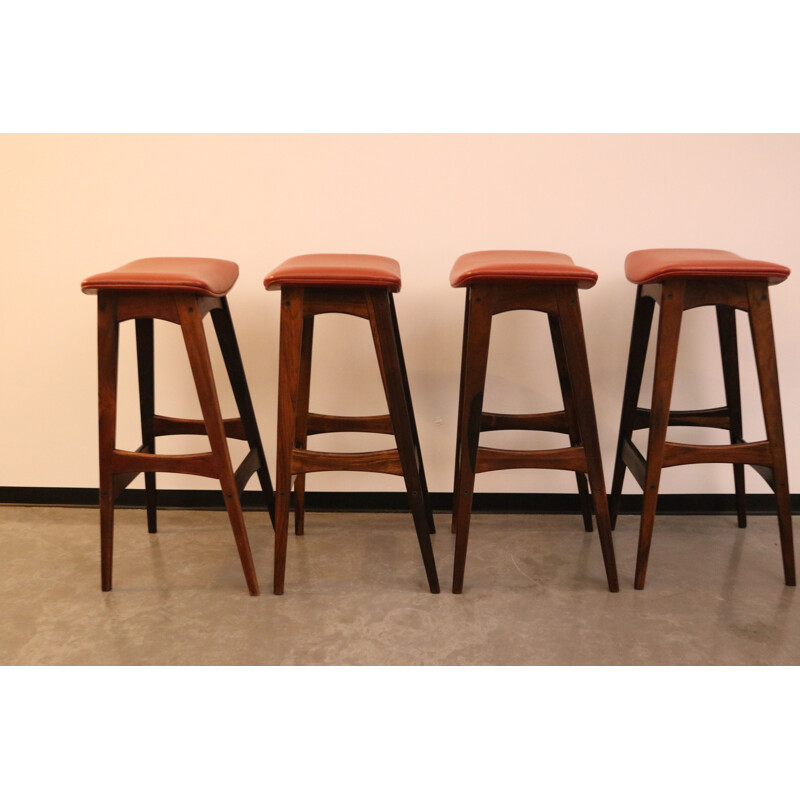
(560, 302)
(767, 457)
(299, 306)
(119, 467)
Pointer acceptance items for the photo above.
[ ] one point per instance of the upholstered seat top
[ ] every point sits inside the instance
(492, 266)
(207, 276)
(336, 269)
(651, 266)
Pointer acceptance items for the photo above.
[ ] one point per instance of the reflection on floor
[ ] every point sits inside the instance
(534, 593)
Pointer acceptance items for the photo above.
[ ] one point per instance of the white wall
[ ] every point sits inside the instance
(72, 205)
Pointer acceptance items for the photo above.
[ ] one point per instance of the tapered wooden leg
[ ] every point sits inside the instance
(456, 494)
(426, 500)
(640, 335)
(572, 422)
(301, 425)
(669, 327)
(726, 324)
(288, 370)
(577, 372)
(197, 349)
(766, 365)
(380, 314)
(107, 351)
(476, 348)
(431, 527)
(229, 347)
(145, 358)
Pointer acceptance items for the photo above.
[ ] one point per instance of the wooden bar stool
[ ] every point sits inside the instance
(361, 285)
(508, 280)
(183, 291)
(680, 279)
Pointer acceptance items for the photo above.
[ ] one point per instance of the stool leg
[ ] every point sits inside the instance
(197, 350)
(726, 324)
(476, 355)
(407, 392)
(456, 470)
(577, 370)
(145, 358)
(414, 434)
(764, 348)
(107, 351)
(301, 423)
(288, 372)
(640, 336)
(384, 334)
(572, 422)
(229, 347)
(669, 327)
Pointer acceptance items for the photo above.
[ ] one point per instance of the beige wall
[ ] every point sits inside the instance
(71, 205)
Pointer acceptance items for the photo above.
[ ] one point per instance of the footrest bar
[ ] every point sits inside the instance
(676, 454)
(555, 421)
(177, 426)
(387, 461)
(702, 418)
(124, 461)
(327, 423)
(489, 459)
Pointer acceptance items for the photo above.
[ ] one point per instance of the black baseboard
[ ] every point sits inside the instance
(487, 503)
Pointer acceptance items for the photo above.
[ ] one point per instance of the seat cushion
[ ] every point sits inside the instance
(493, 266)
(207, 276)
(653, 266)
(336, 269)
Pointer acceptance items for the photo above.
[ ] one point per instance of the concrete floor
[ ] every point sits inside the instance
(534, 593)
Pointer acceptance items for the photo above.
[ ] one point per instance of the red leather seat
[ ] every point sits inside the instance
(206, 276)
(336, 269)
(491, 266)
(651, 266)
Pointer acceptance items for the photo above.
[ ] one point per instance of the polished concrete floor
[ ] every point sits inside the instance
(534, 593)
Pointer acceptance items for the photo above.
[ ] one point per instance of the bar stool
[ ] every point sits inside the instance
(680, 279)
(183, 291)
(361, 285)
(507, 280)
